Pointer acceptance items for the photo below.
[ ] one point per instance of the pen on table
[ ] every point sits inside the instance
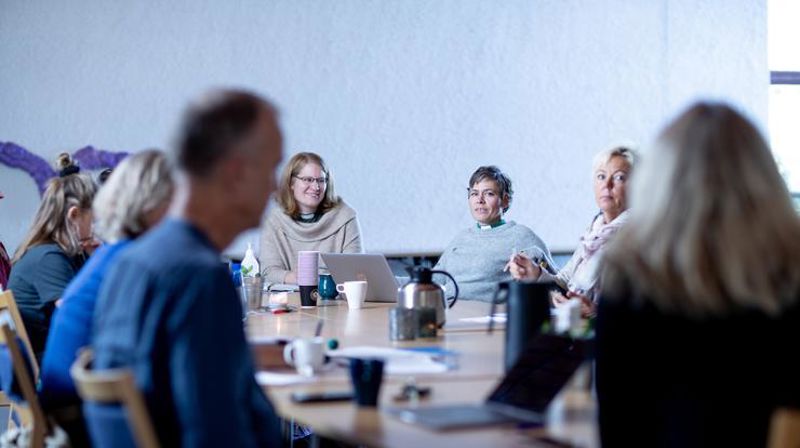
(318, 331)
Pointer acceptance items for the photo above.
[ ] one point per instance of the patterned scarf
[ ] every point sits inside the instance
(600, 232)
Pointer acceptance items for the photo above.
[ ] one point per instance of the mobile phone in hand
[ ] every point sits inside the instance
(320, 397)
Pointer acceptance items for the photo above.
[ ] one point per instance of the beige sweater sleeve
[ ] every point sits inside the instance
(272, 258)
(352, 238)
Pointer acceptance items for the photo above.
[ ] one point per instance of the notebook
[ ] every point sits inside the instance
(522, 396)
(381, 284)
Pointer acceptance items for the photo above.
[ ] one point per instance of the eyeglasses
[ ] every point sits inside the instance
(310, 180)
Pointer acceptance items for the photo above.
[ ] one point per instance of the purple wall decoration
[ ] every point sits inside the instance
(39, 169)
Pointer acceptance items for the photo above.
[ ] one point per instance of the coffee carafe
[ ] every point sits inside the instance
(422, 292)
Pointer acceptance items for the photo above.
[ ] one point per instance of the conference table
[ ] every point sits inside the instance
(571, 418)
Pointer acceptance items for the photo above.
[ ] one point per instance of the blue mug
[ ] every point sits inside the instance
(327, 287)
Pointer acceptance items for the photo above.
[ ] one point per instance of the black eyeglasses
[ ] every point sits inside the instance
(308, 180)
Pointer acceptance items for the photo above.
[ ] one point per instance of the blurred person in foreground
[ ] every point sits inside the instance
(168, 308)
(699, 302)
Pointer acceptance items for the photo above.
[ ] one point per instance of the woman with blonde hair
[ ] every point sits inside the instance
(53, 250)
(611, 170)
(133, 200)
(699, 301)
(311, 216)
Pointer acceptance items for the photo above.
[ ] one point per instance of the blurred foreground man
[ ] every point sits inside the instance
(169, 310)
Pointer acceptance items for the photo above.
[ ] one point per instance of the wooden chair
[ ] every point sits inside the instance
(784, 430)
(39, 425)
(114, 386)
(9, 313)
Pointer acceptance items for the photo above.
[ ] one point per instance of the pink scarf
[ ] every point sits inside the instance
(600, 232)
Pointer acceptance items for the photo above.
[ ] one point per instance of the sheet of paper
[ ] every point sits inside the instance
(398, 362)
(499, 318)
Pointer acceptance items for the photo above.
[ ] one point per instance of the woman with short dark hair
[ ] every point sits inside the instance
(477, 255)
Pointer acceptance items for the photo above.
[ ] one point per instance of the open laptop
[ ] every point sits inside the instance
(545, 366)
(381, 284)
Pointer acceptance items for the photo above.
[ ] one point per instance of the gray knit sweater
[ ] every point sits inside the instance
(476, 258)
(282, 237)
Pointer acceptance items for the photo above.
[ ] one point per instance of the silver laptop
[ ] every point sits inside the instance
(522, 396)
(381, 284)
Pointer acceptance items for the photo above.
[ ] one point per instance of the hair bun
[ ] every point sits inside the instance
(66, 165)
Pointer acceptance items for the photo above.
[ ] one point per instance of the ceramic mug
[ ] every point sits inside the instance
(355, 292)
(305, 355)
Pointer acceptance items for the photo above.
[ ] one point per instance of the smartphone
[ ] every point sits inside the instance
(319, 397)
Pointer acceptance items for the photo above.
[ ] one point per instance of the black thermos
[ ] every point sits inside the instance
(528, 307)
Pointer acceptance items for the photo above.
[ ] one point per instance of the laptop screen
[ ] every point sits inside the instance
(543, 368)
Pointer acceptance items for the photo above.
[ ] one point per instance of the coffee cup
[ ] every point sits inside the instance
(305, 355)
(355, 292)
(366, 376)
(307, 268)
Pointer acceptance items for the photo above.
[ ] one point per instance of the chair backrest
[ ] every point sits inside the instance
(114, 387)
(9, 313)
(39, 425)
(784, 429)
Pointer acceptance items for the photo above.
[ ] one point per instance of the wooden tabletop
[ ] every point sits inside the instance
(480, 367)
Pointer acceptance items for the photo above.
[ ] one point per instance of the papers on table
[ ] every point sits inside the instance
(397, 361)
(498, 318)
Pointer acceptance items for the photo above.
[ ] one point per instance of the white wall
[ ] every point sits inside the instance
(403, 98)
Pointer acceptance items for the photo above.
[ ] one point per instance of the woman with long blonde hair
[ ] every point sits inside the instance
(699, 303)
(53, 250)
(310, 216)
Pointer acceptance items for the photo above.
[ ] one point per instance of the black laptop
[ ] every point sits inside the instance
(523, 395)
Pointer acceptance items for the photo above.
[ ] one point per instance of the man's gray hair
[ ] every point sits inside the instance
(215, 126)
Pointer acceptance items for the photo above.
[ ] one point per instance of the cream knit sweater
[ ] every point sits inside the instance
(282, 237)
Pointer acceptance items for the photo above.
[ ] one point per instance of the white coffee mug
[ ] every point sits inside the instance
(306, 355)
(355, 292)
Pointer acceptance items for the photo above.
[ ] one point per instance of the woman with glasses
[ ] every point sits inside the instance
(578, 279)
(53, 250)
(476, 255)
(310, 216)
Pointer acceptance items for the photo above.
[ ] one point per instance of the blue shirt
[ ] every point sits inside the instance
(169, 311)
(70, 328)
(38, 279)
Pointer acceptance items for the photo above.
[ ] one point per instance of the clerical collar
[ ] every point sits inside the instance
(309, 217)
(490, 226)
